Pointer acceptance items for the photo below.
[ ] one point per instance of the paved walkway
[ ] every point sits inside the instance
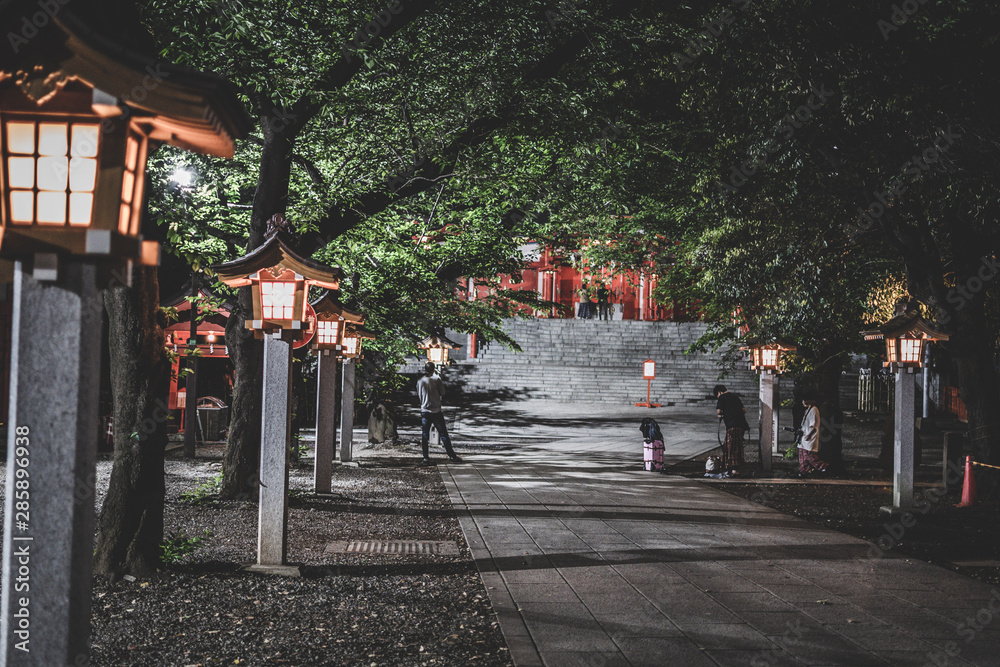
(591, 561)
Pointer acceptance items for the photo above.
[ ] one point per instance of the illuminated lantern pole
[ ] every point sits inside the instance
(353, 337)
(648, 374)
(279, 279)
(906, 336)
(766, 360)
(437, 347)
(331, 321)
(73, 145)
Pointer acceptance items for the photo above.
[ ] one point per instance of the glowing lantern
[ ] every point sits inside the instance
(906, 336)
(331, 322)
(74, 141)
(280, 279)
(353, 336)
(437, 347)
(767, 357)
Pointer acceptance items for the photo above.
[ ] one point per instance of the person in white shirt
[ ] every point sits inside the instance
(809, 460)
(430, 391)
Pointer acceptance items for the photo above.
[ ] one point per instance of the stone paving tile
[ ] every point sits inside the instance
(638, 622)
(827, 650)
(730, 636)
(762, 601)
(782, 622)
(724, 583)
(916, 659)
(756, 658)
(660, 651)
(924, 625)
(585, 659)
(562, 627)
(794, 593)
(531, 576)
(542, 592)
(691, 612)
(881, 638)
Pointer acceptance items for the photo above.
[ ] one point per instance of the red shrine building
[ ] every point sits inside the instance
(558, 277)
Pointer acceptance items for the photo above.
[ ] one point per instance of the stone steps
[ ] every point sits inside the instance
(590, 360)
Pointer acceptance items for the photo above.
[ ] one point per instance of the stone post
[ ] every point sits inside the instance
(326, 413)
(347, 413)
(902, 488)
(768, 419)
(272, 515)
(48, 540)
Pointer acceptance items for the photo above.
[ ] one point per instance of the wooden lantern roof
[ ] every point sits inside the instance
(275, 253)
(774, 345)
(438, 341)
(176, 105)
(358, 331)
(328, 306)
(907, 323)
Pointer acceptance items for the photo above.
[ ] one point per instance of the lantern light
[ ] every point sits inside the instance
(906, 337)
(766, 358)
(74, 141)
(331, 322)
(438, 346)
(280, 280)
(353, 337)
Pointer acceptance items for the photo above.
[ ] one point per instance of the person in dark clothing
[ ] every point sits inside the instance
(730, 409)
(603, 304)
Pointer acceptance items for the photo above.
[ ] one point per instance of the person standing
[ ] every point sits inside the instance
(809, 460)
(584, 294)
(730, 409)
(603, 305)
(430, 391)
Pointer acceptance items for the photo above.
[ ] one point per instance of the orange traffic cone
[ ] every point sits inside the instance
(969, 487)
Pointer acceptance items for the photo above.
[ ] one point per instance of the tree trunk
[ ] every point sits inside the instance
(240, 460)
(130, 527)
(241, 457)
(971, 347)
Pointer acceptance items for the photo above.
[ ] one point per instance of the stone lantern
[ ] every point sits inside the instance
(905, 336)
(79, 111)
(765, 358)
(280, 280)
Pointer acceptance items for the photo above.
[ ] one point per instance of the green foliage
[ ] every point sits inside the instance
(203, 492)
(176, 546)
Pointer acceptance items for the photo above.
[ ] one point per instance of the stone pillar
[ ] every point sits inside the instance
(326, 413)
(347, 413)
(768, 419)
(902, 488)
(48, 539)
(272, 515)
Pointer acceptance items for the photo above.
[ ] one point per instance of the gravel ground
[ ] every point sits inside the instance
(346, 609)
